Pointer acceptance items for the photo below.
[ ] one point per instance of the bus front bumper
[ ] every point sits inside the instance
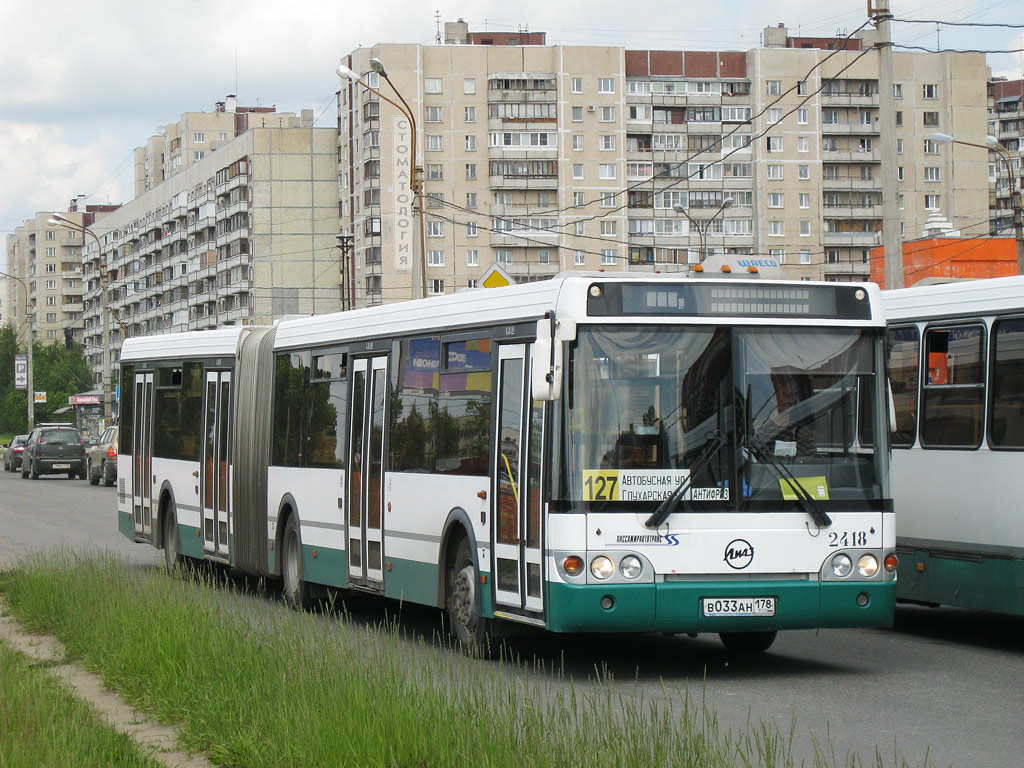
(676, 607)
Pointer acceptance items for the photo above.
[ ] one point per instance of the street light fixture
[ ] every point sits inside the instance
(416, 183)
(991, 142)
(108, 409)
(702, 230)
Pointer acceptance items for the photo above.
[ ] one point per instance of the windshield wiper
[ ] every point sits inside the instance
(668, 506)
(804, 499)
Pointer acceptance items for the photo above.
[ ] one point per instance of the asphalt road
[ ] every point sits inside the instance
(944, 685)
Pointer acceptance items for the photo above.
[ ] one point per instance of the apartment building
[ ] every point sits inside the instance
(1006, 123)
(177, 145)
(243, 235)
(541, 158)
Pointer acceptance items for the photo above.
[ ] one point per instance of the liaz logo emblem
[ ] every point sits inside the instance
(739, 553)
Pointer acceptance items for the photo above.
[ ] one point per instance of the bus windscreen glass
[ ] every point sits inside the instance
(742, 415)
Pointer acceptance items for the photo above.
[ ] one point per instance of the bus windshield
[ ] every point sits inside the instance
(746, 417)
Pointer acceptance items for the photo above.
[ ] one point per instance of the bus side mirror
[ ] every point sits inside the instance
(546, 363)
(892, 407)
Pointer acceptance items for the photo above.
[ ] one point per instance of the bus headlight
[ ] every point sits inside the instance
(630, 567)
(842, 565)
(867, 566)
(602, 567)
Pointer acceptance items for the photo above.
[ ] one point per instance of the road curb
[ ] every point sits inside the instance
(158, 741)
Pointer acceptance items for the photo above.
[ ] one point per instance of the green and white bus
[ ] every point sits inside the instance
(592, 453)
(957, 370)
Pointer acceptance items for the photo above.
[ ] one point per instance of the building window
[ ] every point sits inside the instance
(801, 117)
(581, 228)
(803, 172)
(899, 173)
(577, 170)
(435, 258)
(774, 171)
(51, 235)
(435, 171)
(605, 85)
(51, 267)
(832, 256)
(471, 200)
(606, 171)
(774, 115)
(469, 85)
(51, 251)
(606, 115)
(432, 85)
(606, 142)
(51, 317)
(805, 228)
(805, 256)
(470, 114)
(51, 301)
(576, 85)
(779, 254)
(579, 258)
(774, 143)
(929, 91)
(577, 199)
(608, 199)
(543, 257)
(931, 147)
(773, 87)
(931, 202)
(435, 229)
(776, 229)
(897, 90)
(899, 119)
(434, 114)
(609, 228)
(435, 199)
(51, 285)
(503, 256)
(470, 171)
(805, 199)
(776, 200)
(899, 146)
(931, 173)
(577, 142)
(434, 143)
(473, 258)
(435, 286)
(609, 256)
(198, 138)
(930, 119)
(471, 229)
(470, 142)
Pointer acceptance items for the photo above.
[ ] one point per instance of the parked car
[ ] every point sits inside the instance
(101, 459)
(12, 453)
(52, 449)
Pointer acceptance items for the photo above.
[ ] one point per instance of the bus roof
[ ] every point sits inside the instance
(971, 297)
(222, 342)
(565, 294)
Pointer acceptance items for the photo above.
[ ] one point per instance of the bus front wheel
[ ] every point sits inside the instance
(471, 630)
(296, 591)
(172, 548)
(748, 642)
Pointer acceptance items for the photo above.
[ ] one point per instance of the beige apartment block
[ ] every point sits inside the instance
(177, 145)
(46, 259)
(244, 235)
(542, 158)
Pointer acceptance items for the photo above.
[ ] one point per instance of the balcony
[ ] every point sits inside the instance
(849, 99)
(853, 239)
(851, 156)
(850, 127)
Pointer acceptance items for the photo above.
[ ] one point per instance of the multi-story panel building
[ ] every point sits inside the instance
(601, 157)
(178, 145)
(244, 235)
(1006, 123)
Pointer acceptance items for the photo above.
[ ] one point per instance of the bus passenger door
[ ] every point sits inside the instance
(366, 462)
(517, 488)
(142, 458)
(216, 460)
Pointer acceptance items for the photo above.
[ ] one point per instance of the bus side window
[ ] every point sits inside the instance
(1007, 387)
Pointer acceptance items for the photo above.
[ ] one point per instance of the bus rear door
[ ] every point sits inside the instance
(142, 459)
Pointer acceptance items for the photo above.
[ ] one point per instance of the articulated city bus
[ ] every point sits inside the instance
(591, 453)
(957, 369)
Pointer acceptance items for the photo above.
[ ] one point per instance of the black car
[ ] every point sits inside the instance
(52, 449)
(12, 453)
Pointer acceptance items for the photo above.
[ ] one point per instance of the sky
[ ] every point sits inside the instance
(83, 84)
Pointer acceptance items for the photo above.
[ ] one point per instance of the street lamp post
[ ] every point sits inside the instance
(104, 310)
(29, 383)
(702, 231)
(417, 171)
(991, 142)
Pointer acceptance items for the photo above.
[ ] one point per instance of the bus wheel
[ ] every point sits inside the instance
(296, 591)
(172, 547)
(471, 630)
(748, 642)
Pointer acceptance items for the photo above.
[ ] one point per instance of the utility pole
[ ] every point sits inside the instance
(880, 14)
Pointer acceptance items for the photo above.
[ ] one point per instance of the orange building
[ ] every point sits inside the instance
(959, 257)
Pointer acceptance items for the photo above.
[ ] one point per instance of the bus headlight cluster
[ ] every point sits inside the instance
(603, 567)
(852, 565)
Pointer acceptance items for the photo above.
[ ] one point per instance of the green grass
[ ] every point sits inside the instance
(43, 724)
(257, 685)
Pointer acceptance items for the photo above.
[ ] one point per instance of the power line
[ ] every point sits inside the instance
(959, 23)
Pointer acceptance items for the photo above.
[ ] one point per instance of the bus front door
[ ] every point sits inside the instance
(516, 487)
(142, 458)
(365, 478)
(216, 462)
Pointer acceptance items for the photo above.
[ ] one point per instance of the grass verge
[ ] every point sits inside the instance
(269, 687)
(42, 723)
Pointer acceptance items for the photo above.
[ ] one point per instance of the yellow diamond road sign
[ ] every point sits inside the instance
(495, 277)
